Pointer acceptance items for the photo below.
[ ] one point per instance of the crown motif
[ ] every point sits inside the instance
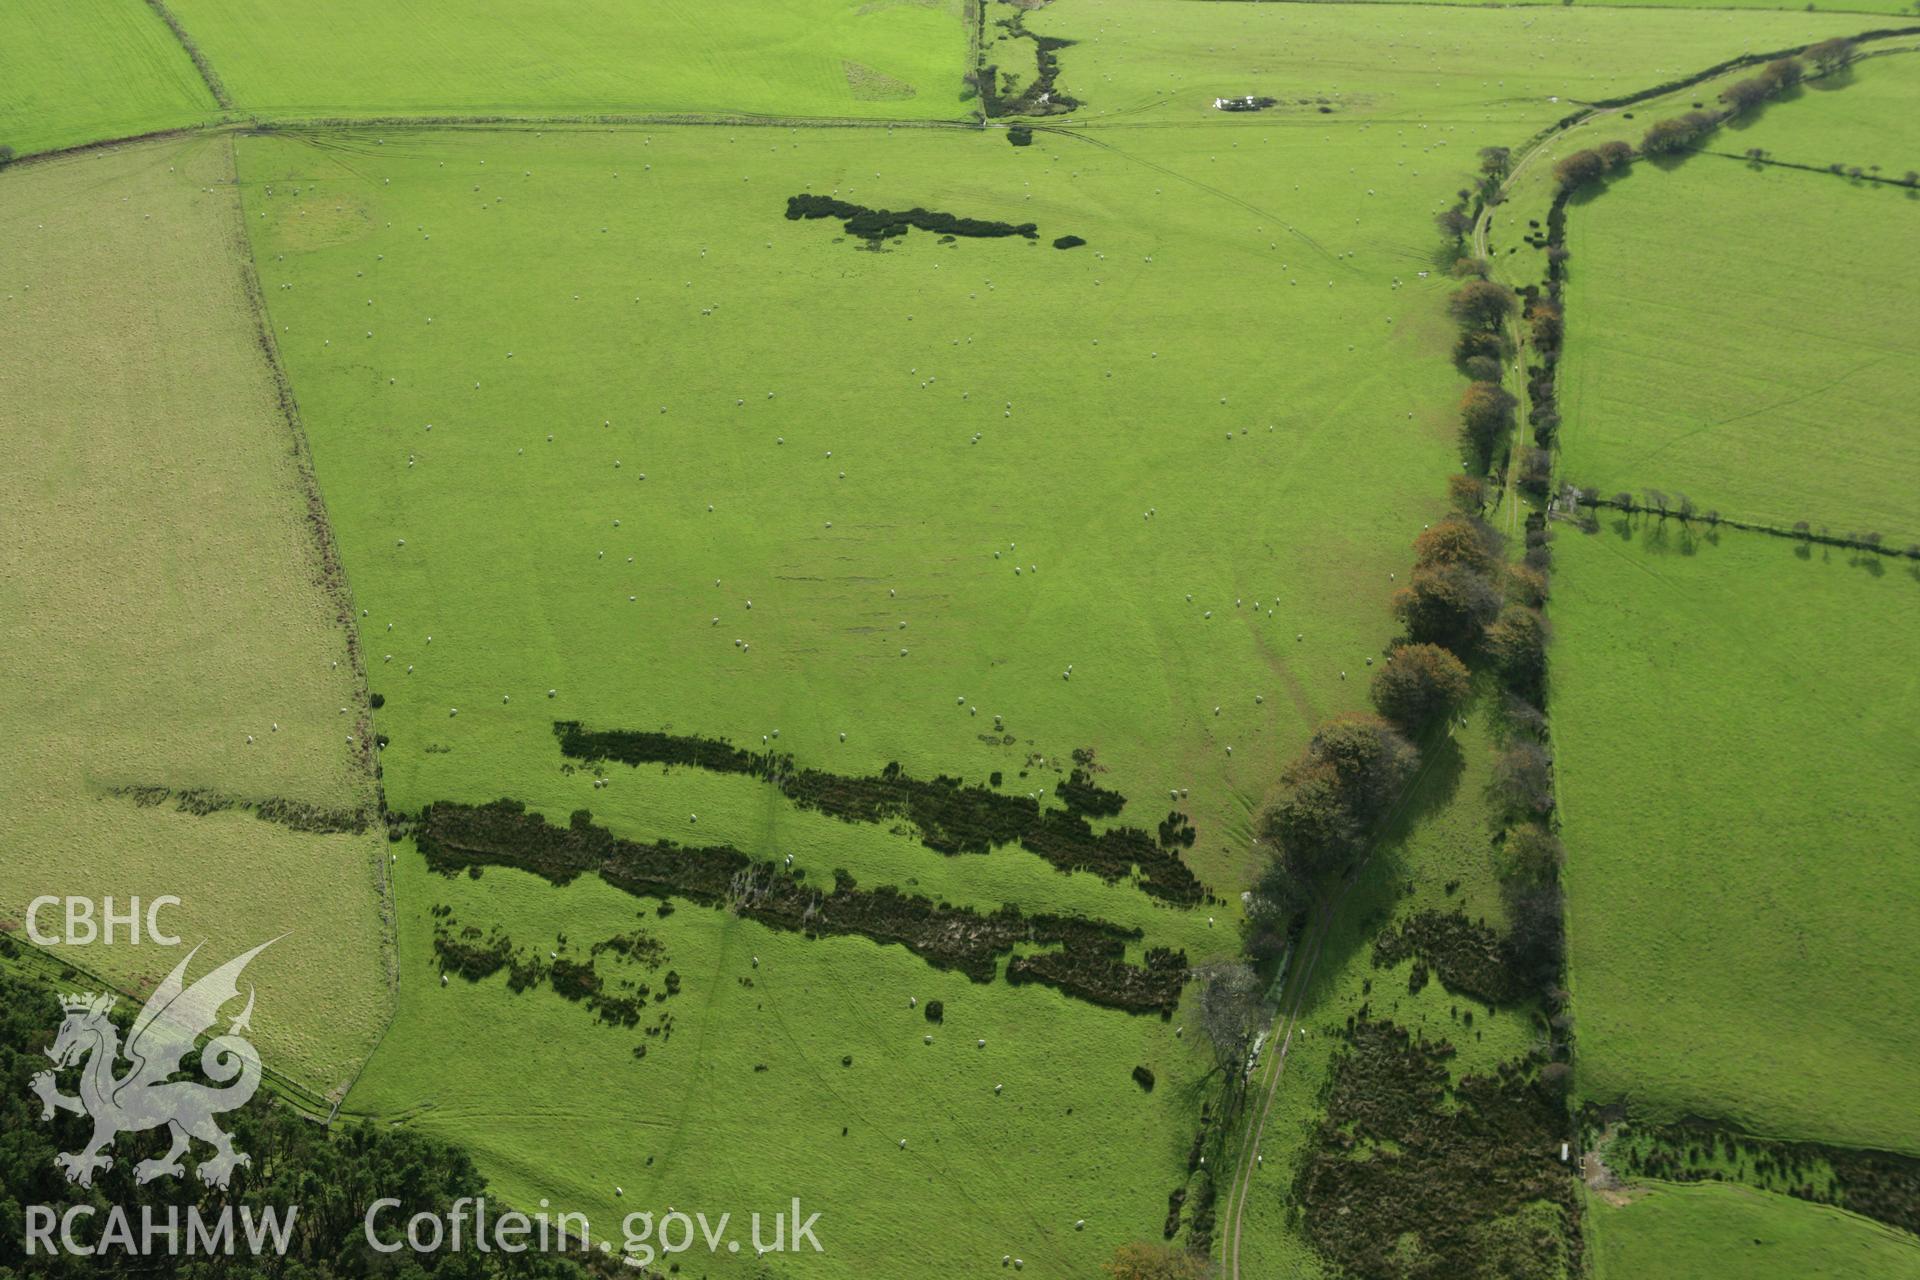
(83, 1002)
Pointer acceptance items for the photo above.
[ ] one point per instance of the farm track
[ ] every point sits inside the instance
(1314, 942)
(1293, 1000)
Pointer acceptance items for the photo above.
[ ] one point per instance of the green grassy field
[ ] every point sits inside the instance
(1731, 364)
(1711, 1231)
(1428, 74)
(1110, 419)
(74, 71)
(1705, 839)
(154, 512)
(1256, 513)
(1868, 117)
(603, 435)
(524, 603)
(793, 57)
(744, 1107)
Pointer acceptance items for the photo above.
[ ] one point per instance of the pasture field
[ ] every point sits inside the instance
(1730, 363)
(1879, 77)
(1198, 436)
(75, 71)
(159, 602)
(1093, 379)
(1712, 1230)
(895, 59)
(1868, 117)
(501, 566)
(1705, 839)
(1422, 69)
(748, 1104)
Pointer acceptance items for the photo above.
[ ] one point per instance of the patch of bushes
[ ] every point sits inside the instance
(1068, 242)
(1453, 592)
(1486, 418)
(1469, 1172)
(291, 814)
(1670, 137)
(1419, 684)
(875, 225)
(1042, 96)
(1517, 644)
(1176, 829)
(1469, 958)
(465, 951)
(1082, 796)
(1107, 979)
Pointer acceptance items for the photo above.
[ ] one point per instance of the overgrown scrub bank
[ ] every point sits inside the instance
(200, 801)
(875, 225)
(951, 817)
(1409, 1176)
(1882, 1185)
(1090, 963)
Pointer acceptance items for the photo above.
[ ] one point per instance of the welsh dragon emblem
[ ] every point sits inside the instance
(144, 1096)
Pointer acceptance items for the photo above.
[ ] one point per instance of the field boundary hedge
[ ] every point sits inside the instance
(330, 570)
(208, 76)
(1624, 503)
(1829, 170)
(1731, 64)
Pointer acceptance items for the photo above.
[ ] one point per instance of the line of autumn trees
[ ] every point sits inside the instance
(1466, 605)
(1582, 169)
